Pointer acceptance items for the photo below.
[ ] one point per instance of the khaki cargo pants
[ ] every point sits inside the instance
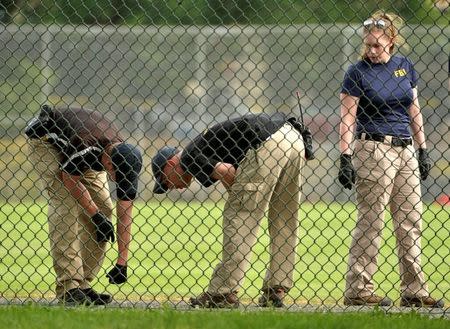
(77, 256)
(386, 175)
(268, 178)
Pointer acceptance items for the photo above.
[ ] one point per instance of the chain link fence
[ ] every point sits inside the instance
(165, 84)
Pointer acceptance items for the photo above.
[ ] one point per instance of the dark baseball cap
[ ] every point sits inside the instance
(158, 163)
(127, 163)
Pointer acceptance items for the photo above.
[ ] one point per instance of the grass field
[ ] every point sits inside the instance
(80, 318)
(176, 246)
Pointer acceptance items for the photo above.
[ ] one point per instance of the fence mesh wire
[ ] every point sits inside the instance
(163, 79)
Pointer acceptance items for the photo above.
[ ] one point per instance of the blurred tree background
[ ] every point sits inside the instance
(167, 69)
(213, 12)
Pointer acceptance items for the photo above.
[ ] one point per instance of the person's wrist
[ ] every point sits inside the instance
(121, 262)
(97, 217)
(92, 211)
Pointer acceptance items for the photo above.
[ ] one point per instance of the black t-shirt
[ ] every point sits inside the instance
(81, 135)
(227, 142)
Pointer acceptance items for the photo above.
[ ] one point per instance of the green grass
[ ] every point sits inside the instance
(176, 246)
(55, 317)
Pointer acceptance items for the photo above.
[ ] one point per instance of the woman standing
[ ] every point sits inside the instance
(379, 97)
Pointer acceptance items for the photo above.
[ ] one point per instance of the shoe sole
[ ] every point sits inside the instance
(271, 304)
(362, 303)
(265, 301)
(75, 304)
(222, 305)
(419, 304)
(218, 305)
(100, 302)
(98, 299)
(196, 304)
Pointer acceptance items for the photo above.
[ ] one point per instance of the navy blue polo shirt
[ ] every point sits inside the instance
(385, 95)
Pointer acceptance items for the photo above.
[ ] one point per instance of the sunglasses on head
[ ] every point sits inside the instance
(378, 23)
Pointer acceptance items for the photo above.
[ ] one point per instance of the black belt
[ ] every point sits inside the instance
(394, 141)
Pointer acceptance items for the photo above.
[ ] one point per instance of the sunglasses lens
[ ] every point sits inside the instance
(369, 23)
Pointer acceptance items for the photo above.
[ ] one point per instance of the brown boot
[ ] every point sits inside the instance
(208, 300)
(426, 301)
(372, 300)
(272, 297)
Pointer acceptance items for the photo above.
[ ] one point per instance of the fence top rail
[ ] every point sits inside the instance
(194, 30)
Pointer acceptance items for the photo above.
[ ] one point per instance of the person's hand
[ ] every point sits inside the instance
(118, 274)
(346, 172)
(225, 172)
(104, 229)
(424, 163)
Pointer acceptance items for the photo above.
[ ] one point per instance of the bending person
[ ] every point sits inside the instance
(73, 150)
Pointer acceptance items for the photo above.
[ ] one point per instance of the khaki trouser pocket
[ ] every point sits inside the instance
(245, 196)
(45, 159)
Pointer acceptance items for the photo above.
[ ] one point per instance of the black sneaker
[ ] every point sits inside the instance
(96, 298)
(75, 297)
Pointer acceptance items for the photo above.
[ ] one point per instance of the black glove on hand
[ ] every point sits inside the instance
(424, 163)
(346, 172)
(118, 274)
(103, 227)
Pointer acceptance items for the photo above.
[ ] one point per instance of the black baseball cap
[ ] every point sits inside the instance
(127, 163)
(158, 163)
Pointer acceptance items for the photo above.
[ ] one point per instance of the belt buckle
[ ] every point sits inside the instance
(399, 142)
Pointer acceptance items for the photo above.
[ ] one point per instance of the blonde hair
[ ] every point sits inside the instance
(393, 22)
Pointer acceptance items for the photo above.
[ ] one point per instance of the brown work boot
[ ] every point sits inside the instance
(208, 300)
(272, 297)
(426, 301)
(372, 300)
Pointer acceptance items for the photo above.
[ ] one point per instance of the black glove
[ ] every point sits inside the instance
(346, 172)
(118, 274)
(424, 163)
(104, 229)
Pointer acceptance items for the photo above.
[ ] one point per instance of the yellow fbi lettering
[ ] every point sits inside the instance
(400, 73)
